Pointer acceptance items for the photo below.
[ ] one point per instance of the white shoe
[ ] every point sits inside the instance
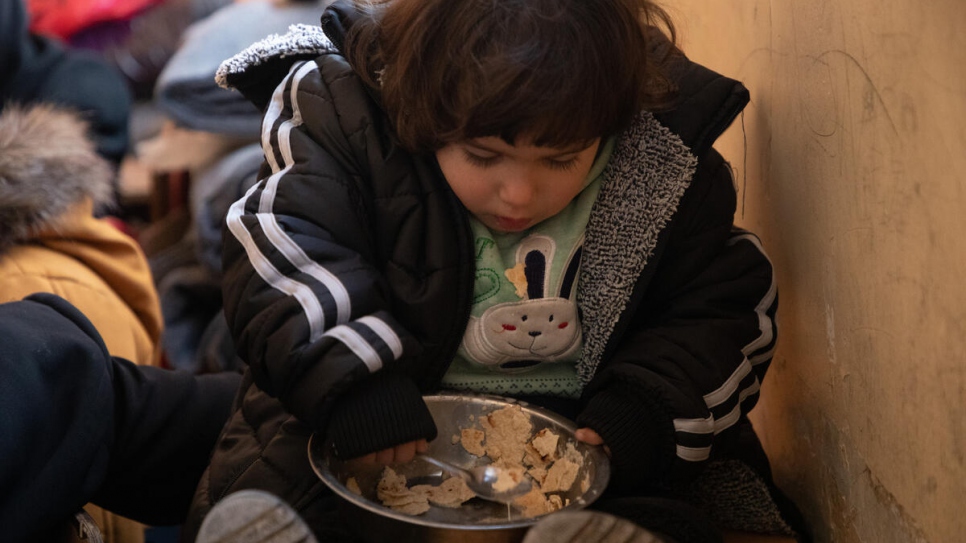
(253, 516)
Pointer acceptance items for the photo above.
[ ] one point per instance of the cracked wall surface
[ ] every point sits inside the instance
(851, 164)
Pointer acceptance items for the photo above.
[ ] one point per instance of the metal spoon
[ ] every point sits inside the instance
(487, 482)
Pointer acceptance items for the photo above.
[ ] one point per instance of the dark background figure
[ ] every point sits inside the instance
(36, 68)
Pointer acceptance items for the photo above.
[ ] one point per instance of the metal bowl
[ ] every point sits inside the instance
(476, 520)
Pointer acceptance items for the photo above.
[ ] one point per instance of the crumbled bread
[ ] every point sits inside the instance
(413, 509)
(507, 433)
(508, 478)
(450, 493)
(353, 486)
(544, 442)
(472, 441)
(536, 503)
(541, 451)
(561, 476)
(506, 438)
(393, 493)
(571, 453)
(538, 474)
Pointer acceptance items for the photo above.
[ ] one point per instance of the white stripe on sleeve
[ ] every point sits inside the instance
(386, 333)
(302, 293)
(358, 345)
(765, 323)
(693, 454)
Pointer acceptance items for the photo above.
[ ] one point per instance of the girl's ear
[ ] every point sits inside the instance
(535, 268)
(570, 274)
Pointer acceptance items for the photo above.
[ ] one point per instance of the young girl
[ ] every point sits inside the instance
(516, 197)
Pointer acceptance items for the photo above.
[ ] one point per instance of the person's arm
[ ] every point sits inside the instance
(166, 425)
(306, 303)
(56, 414)
(79, 425)
(690, 364)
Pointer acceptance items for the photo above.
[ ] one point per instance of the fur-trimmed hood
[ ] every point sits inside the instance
(48, 163)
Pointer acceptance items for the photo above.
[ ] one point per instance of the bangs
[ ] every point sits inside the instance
(555, 82)
(545, 117)
(558, 73)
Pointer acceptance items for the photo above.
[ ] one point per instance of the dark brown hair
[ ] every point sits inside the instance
(560, 71)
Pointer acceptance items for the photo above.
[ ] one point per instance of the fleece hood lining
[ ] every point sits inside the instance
(301, 39)
(641, 188)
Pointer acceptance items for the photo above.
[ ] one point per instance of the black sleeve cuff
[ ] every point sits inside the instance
(378, 413)
(638, 432)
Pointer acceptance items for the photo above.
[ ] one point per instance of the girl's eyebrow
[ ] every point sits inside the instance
(556, 152)
(481, 147)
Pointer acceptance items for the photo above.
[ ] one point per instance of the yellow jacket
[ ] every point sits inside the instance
(99, 269)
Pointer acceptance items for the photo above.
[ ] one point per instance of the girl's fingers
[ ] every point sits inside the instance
(405, 452)
(588, 436)
(398, 454)
(385, 456)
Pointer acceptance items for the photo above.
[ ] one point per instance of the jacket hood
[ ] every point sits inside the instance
(47, 164)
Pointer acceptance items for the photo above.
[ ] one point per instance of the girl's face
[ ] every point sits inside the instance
(510, 188)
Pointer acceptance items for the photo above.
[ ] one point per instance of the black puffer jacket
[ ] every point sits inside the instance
(349, 271)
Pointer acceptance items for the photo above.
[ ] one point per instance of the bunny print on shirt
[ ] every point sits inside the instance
(541, 327)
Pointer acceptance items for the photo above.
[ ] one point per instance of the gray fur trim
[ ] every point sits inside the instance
(299, 40)
(737, 498)
(640, 191)
(48, 163)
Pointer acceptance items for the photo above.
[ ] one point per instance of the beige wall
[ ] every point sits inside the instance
(851, 159)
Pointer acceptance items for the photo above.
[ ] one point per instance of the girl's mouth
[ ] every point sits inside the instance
(512, 225)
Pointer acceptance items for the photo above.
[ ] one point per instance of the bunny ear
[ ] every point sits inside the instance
(535, 267)
(535, 252)
(570, 274)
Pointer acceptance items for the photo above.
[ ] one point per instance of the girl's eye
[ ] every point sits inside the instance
(568, 164)
(481, 161)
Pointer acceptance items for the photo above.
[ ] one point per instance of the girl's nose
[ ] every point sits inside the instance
(518, 190)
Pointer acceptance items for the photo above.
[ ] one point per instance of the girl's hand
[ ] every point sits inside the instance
(590, 437)
(397, 455)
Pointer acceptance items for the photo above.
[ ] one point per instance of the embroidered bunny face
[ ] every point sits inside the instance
(518, 336)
